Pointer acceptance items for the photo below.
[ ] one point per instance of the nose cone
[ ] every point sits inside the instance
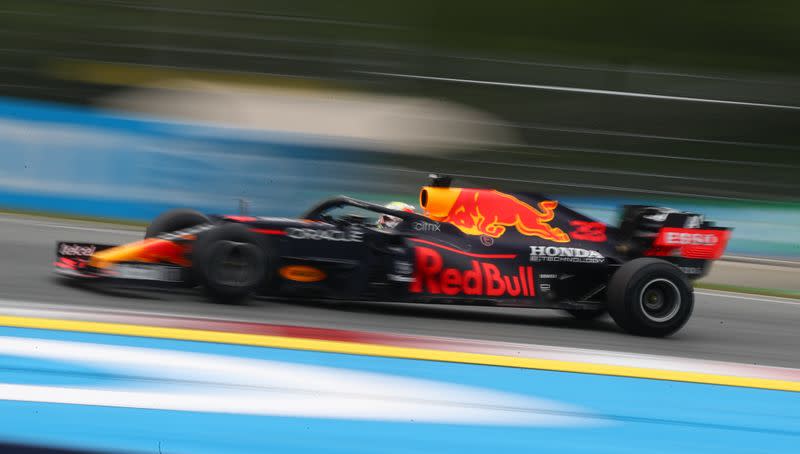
(437, 202)
(150, 250)
(125, 252)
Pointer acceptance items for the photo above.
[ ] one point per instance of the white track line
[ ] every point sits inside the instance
(560, 353)
(770, 299)
(761, 261)
(587, 90)
(55, 225)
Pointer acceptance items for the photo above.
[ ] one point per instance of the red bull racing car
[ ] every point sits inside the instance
(469, 246)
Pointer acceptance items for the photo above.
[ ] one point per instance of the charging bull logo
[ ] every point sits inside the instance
(484, 212)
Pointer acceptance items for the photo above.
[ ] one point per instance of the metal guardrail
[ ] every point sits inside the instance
(134, 168)
(651, 147)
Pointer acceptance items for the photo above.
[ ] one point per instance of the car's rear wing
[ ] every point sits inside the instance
(706, 244)
(686, 239)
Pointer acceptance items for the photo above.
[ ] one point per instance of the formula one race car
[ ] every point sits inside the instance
(471, 246)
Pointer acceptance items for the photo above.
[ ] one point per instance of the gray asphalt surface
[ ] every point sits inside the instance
(726, 327)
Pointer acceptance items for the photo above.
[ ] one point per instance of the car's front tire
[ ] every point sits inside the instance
(173, 220)
(650, 297)
(230, 263)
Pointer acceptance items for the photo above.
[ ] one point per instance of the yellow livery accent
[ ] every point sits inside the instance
(125, 253)
(354, 348)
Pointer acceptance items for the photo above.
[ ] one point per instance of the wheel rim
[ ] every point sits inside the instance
(660, 300)
(234, 264)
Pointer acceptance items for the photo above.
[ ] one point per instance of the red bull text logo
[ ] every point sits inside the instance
(481, 279)
(490, 213)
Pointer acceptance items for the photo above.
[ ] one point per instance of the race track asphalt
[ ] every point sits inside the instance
(726, 327)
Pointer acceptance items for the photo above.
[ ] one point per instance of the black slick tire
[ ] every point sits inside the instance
(230, 262)
(173, 220)
(650, 297)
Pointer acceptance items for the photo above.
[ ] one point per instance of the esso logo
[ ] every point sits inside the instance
(694, 244)
(690, 239)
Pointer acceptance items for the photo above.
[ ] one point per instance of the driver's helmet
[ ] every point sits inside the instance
(387, 221)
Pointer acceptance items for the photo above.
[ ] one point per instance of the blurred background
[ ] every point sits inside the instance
(121, 109)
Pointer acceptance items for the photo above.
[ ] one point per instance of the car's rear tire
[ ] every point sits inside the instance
(650, 297)
(173, 220)
(230, 262)
(587, 314)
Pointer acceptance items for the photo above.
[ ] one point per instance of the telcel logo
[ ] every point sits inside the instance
(481, 279)
(76, 250)
(690, 239)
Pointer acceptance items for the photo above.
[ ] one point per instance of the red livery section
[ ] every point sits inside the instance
(690, 243)
(588, 231)
(480, 279)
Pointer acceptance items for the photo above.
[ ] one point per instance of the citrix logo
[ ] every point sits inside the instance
(427, 227)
